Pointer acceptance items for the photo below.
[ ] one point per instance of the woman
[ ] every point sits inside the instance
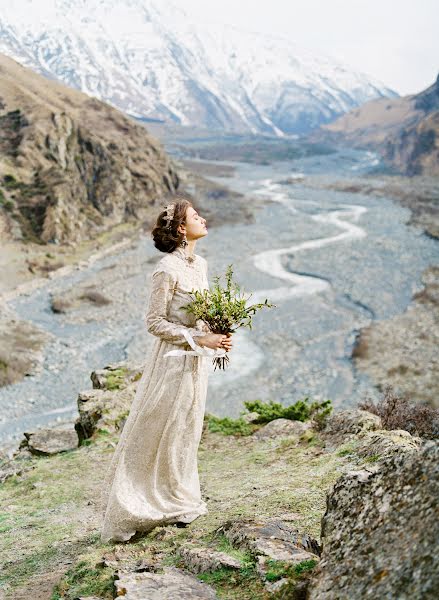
(153, 477)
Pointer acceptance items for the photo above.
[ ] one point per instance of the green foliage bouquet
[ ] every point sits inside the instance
(224, 309)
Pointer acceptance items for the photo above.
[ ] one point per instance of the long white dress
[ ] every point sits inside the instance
(153, 476)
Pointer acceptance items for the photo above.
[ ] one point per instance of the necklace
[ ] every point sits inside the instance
(189, 258)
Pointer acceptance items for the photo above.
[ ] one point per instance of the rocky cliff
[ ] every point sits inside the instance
(70, 165)
(414, 149)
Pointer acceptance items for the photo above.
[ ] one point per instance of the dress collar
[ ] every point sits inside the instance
(184, 254)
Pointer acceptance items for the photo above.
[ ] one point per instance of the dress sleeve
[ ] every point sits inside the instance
(156, 315)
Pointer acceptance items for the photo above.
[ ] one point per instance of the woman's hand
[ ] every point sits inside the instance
(215, 341)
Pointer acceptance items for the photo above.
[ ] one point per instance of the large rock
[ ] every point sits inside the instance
(103, 409)
(50, 441)
(380, 444)
(281, 428)
(380, 532)
(345, 424)
(172, 584)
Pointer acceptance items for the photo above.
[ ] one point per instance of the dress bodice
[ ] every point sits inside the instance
(175, 275)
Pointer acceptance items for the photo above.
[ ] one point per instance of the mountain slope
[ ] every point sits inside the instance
(147, 59)
(404, 130)
(415, 149)
(70, 165)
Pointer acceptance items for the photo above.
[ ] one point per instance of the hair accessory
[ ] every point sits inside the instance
(169, 215)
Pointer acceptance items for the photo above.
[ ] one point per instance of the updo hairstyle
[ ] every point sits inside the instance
(166, 239)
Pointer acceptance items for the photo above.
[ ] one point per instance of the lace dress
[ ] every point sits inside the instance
(153, 476)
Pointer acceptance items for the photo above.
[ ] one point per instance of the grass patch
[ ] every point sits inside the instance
(242, 584)
(86, 578)
(229, 426)
(223, 544)
(278, 569)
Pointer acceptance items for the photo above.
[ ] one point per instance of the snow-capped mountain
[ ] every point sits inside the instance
(146, 58)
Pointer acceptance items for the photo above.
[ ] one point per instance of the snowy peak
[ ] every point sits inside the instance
(147, 59)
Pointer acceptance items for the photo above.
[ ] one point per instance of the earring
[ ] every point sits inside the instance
(184, 241)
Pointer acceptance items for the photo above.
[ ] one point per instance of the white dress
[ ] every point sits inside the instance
(153, 476)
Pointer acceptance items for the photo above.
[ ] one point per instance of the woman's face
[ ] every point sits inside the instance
(195, 225)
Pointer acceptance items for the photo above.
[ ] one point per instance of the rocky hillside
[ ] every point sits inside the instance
(70, 165)
(267, 487)
(414, 149)
(404, 130)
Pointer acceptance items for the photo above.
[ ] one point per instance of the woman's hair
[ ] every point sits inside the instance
(166, 239)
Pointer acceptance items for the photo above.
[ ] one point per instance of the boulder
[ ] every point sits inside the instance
(50, 441)
(281, 428)
(380, 531)
(172, 584)
(345, 424)
(380, 444)
(103, 409)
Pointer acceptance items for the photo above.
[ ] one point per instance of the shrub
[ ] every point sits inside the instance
(302, 410)
(397, 412)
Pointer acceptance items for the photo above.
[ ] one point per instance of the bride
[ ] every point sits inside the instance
(153, 476)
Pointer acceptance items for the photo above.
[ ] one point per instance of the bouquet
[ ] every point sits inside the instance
(224, 309)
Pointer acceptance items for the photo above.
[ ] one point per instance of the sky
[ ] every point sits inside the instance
(395, 41)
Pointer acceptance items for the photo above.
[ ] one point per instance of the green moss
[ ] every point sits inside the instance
(115, 379)
(7, 204)
(373, 458)
(103, 432)
(348, 448)
(10, 182)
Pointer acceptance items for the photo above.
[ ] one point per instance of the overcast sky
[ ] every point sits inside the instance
(396, 41)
